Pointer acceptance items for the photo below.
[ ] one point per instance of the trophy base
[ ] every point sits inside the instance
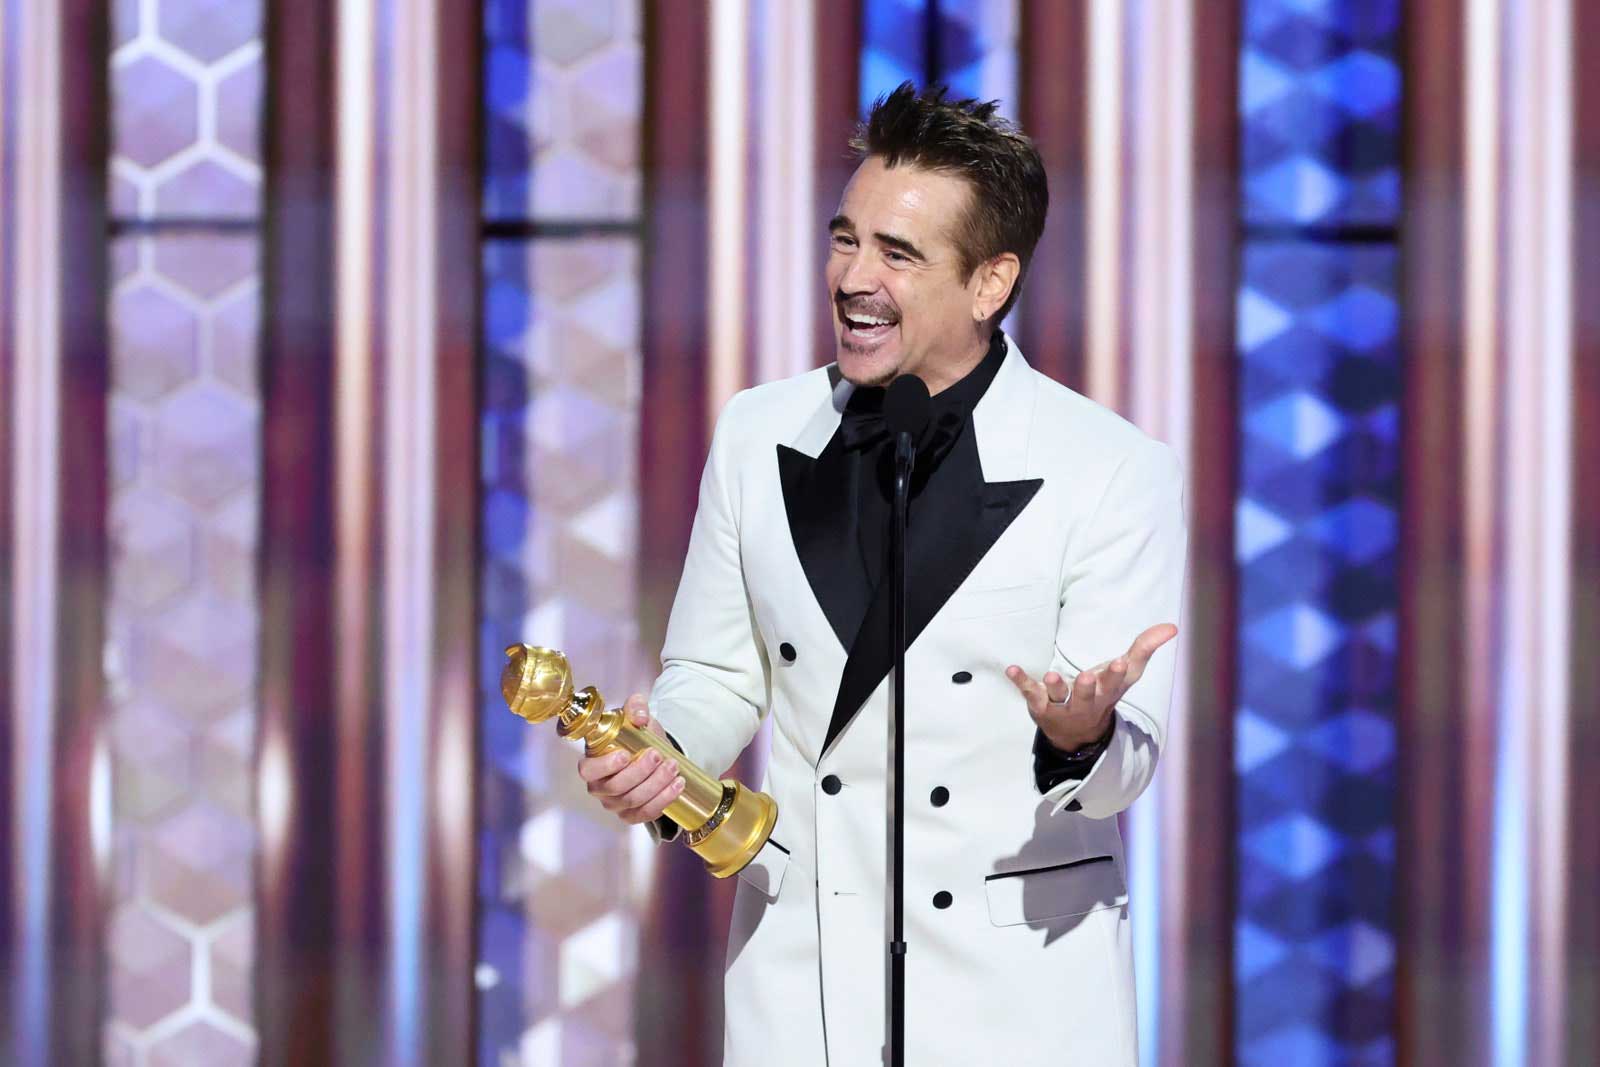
(733, 835)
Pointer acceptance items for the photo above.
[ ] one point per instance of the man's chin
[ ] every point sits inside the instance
(865, 372)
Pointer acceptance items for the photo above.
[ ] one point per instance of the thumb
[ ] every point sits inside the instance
(1145, 645)
(638, 710)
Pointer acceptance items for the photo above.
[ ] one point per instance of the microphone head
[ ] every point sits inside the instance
(907, 407)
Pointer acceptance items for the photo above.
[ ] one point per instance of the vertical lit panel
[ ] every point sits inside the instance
(1315, 544)
(1319, 90)
(184, 442)
(978, 50)
(559, 451)
(562, 82)
(894, 46)
(559, 437)
(968, 45)
(1316, 534)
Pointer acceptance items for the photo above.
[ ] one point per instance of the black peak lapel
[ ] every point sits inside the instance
(941, 550)
(819, 496)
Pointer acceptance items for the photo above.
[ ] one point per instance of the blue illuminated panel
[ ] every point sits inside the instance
(964, 44)
(893, 46)
(1319, 96)
(1316, 534)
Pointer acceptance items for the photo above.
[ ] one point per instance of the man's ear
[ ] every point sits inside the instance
(995, 281)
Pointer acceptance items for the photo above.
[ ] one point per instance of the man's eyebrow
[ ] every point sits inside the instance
(899, 244)
(902, 245)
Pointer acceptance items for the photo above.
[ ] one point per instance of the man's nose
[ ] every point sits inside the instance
(858, 276)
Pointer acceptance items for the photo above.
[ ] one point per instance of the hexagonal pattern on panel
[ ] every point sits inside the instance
(235, 329)
(155, 339)
(226, 767)
(205, 444)
(155, 111)
(153, 760)
(228, 549)
(181, 653)
(126, 442)
(209, 29)
(117, 1049)
(207, 189)
(567, 182)
(202, 1044)
(200, 864)
(124, 22)
(232, 951)
(239, 111)
(606, 124)
(557, 271)
(152, 548)
(198, 657)
(568, 30)
(150, 965)
(207, 265)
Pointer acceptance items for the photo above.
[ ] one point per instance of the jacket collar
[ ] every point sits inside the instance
(1002, 419)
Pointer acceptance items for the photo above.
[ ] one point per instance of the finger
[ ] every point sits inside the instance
(1056, 687)
(658, 807)
(638, 710)
(1031, 690)
(651, 787)
(593, 768)
(630, 776)
(1086, 690)
(1145, 645)
(1114, 679)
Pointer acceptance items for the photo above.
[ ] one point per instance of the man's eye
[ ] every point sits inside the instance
(842, 241)
(899, 257)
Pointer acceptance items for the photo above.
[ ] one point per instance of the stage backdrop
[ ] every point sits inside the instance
(346, 342)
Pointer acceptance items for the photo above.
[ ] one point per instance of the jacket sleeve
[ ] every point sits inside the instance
(1124, 574)
(713, 690)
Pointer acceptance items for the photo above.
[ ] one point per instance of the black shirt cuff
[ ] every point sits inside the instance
(1052, 766)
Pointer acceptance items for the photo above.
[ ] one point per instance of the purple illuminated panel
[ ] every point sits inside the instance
(184, 443)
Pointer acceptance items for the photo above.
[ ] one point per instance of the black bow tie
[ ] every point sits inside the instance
(863, 426)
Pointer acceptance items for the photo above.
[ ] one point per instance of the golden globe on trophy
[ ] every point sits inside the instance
(724, 822)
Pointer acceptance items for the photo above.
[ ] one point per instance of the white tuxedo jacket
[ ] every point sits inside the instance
(1016, 903)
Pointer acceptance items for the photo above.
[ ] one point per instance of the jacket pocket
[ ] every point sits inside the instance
(1058, 891)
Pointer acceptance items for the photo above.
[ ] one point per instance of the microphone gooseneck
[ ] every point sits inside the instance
(907, 409)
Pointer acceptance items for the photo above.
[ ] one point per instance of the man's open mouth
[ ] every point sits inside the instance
(868, 327)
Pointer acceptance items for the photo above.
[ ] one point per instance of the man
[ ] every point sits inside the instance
(1045, 559)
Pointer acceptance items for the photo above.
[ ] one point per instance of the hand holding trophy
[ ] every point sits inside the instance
(724, 823)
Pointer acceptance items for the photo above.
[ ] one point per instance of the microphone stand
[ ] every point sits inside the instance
(905, 455)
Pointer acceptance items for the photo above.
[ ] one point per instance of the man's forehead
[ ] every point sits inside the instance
(913, 198)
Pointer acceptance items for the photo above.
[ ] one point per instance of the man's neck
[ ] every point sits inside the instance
(941, 378)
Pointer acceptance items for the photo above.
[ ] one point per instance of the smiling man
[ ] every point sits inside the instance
(1045, 548)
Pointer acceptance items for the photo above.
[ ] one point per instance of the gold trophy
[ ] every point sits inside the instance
(723, 822)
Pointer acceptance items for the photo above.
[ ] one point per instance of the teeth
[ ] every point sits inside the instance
(869, 320)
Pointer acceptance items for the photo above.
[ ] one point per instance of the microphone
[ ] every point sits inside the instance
(907, 407)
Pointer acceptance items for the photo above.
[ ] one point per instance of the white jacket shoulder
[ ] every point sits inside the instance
(1100, 442)
(772, 412)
